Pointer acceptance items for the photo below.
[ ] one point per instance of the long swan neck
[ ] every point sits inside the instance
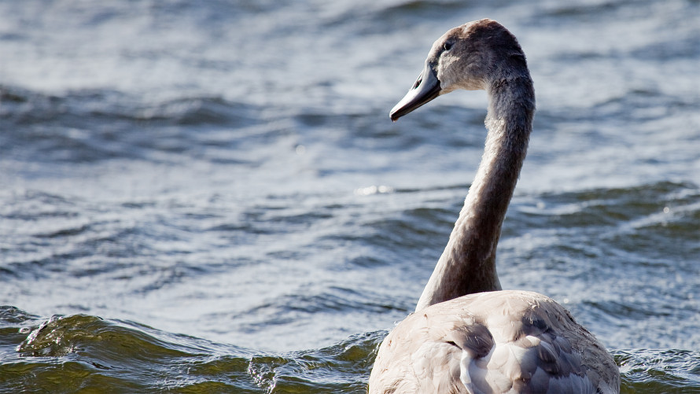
(468, 264)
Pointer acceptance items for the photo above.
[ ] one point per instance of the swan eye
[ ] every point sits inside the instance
(447, 46)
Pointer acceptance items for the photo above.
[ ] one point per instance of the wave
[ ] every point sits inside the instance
(84, 352)
(96, 125)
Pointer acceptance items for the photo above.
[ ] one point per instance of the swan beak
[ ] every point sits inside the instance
(426, 88)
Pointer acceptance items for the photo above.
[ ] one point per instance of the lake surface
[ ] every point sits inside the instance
(210, 197)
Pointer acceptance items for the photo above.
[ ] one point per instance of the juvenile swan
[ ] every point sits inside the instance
(467, 335)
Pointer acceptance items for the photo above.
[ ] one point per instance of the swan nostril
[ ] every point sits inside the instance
(418, 82)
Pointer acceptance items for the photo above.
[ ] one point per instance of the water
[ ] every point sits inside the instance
(209, 197)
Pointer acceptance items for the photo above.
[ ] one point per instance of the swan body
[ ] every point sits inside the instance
(505, 341)
(467, 335)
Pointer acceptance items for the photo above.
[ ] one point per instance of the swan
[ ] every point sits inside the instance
(466, 334)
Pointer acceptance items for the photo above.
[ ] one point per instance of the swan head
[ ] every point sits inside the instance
(471, 57)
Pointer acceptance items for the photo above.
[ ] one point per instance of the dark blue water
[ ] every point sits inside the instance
(210, 197)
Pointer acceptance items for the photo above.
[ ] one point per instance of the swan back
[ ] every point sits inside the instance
(493, 342)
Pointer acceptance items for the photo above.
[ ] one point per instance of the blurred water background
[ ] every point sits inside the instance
(204, 197)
